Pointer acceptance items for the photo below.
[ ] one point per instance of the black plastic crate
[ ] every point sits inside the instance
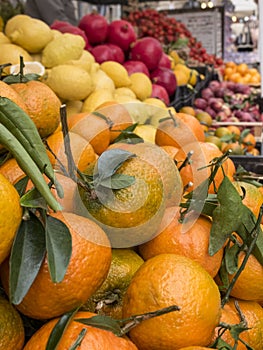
(252, 164)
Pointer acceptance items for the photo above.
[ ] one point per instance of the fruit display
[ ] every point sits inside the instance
(171, 33)
(241, 73)
(117, 209)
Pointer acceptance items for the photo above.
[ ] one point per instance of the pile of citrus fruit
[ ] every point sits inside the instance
(121, 228)
(241, 73)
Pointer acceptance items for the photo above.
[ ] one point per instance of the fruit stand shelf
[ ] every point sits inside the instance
(256, 126)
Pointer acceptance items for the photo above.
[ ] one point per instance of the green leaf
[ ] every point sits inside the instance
(59, 329)
(118, 181)
(103, 322)
(231, 258)
(227, 138)
(110, 161)
(59, 248)
(27, 254)
(245, 231)
(33, 199)
(129, 137)
(21, 185)
(229, 212)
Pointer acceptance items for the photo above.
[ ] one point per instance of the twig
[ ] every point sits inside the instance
(72, 169)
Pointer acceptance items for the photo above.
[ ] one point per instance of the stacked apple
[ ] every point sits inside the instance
(118, 41)
(229, 102)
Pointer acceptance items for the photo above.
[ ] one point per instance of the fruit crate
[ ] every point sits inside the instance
(255, 127)
(186, 94)
(253, 164)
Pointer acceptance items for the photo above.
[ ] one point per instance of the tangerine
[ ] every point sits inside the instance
(93, 128)
(178, 131)
(12, 334)
(94, 338)
(189, 237)
(170, 279)
(82, 152)
(42, 104)
(88, 267)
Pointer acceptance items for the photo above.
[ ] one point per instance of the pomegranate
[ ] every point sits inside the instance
(148, 50)
(121, 33)
(117, 53)
(160, 92)
(165, 61)
(59, 24)
(102, 53)
(95, 26)
(166, 78)
(136, 66)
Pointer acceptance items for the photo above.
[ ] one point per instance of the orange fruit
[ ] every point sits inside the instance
(118, 116)
(7, 91)
(92, 128)
(249, 285)
(42, 104)
(252, 196)
(87, 269)
(82, 151)
(187, 110)
(204, 118)
(253, 314)
(130, 215)
(12, 171)
(12, 334)
(69, 187)
(170, 279)
(189, 238)
(235, 147)
(10, 217)
(183, 130)
(94, 338)
(203, 154)
(107, 300)
(171, 179)
(249, 142)
(230, 317)
(234, 130)
(171, 150)
(242, 68)
(195, 348)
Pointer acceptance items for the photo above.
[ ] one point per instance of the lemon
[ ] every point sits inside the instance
(94, 67)
(29, 67)
(56, 33)
(155, 102)
(73, 107)
(124, 98)
(137, 111)
(69, 82)
(107, 300)
(31, 34)
(95, 99)
(102, 81)
(124, 91)
(10, 53)
(85, 61)
(141, 85)
(62, 49)
(4, 39)
(146, 132)
(15, 22)
(193, 77)
(181, 77)
(117, 73)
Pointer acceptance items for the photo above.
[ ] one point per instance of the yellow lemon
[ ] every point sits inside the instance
(117, 73)
(141, 85)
